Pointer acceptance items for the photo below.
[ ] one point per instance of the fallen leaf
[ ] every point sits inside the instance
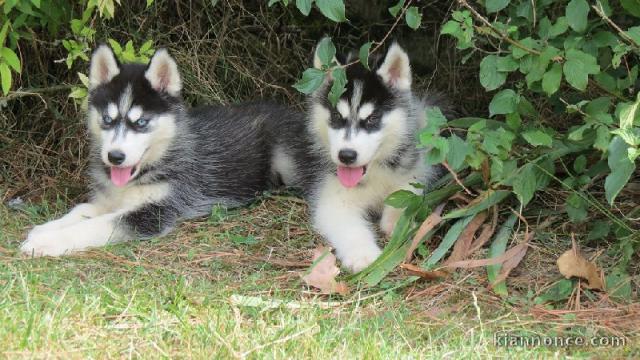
(429, 223)
(572, 263)
(502, 259)
(463, 244)
(519, 251)
(486, 232)
(418, 271)
(323, 272)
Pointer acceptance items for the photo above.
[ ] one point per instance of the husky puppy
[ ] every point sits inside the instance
(360, 151)
(153, 161)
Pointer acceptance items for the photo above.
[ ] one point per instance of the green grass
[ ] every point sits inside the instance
(178, 297)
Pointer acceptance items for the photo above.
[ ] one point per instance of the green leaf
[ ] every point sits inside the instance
(503, 102)
(621, 168)
(311, 81)
(506, 64)
(484, 201)
(490, 77)
(618, 285)
(338, 87)
(326, 51)
(525, 184)
(363, 54)
(630, 136)
(632, 7)
(537, 138)
(578, 66)
(304, 6)
(447, 242)
(36, 3)
(580, 164)
(78, 93)
(438, 152)
(628, 114)
(115, 46)
(458, 151)
(599, 230)
(394, 10)
(634, 33)
(5, 76)
(401, 199)
(577, 12)
(576, 207)
(3, 32)
(11, 58)
(495, 5)
(498, 247)
(413, 17)
(332, 9)
(498, 142)
(551, 79)
(558, 292)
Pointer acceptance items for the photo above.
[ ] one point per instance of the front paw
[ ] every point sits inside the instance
(359, 259)
(389, 219)
(44, 243)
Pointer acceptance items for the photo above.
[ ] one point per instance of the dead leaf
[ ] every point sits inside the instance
(519, 251)
(468, 264)
(429, 275)
(486, 232)
(429, 223)
(572, 263)
(323, 274)
(463, 243)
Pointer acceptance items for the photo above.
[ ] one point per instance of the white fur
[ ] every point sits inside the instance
(365, 144)
(365, 111)
(163, 73)
(395, 70)
(343, 108)
(134, 114)
(103, 67)
(92, 224)
(112, 110)
(282, 164)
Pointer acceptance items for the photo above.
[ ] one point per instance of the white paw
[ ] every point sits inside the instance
(44, 243)
(359, 259)
(389, 220)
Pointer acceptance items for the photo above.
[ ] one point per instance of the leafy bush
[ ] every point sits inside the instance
(564, 78)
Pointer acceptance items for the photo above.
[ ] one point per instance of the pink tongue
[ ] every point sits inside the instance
(350, 176)
(120, 175)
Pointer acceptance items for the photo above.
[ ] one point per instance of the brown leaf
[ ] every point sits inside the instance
(429, 223)
(519, 251)
(467, 264)
(463, 243)
(429, 275)
(486, 232)
(323, 274)
(572, 263)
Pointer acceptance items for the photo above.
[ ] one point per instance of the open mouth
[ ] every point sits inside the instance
(121, 175)
(350, 176)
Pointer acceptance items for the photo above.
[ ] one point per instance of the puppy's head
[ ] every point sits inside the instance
(132, 111)
(369, 119)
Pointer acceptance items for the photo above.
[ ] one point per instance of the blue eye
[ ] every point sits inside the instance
(141, 123)
(107, 120)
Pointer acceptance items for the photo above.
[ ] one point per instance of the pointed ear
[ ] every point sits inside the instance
(103, 66)
(395, 71)
(163, 73)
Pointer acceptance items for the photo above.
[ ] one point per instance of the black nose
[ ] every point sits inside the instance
(347, 156)
(116, 157)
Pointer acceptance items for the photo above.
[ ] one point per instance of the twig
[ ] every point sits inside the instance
(502, 35)
(600, 11)
(456, 178)
(386, 36)
(35, 91)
